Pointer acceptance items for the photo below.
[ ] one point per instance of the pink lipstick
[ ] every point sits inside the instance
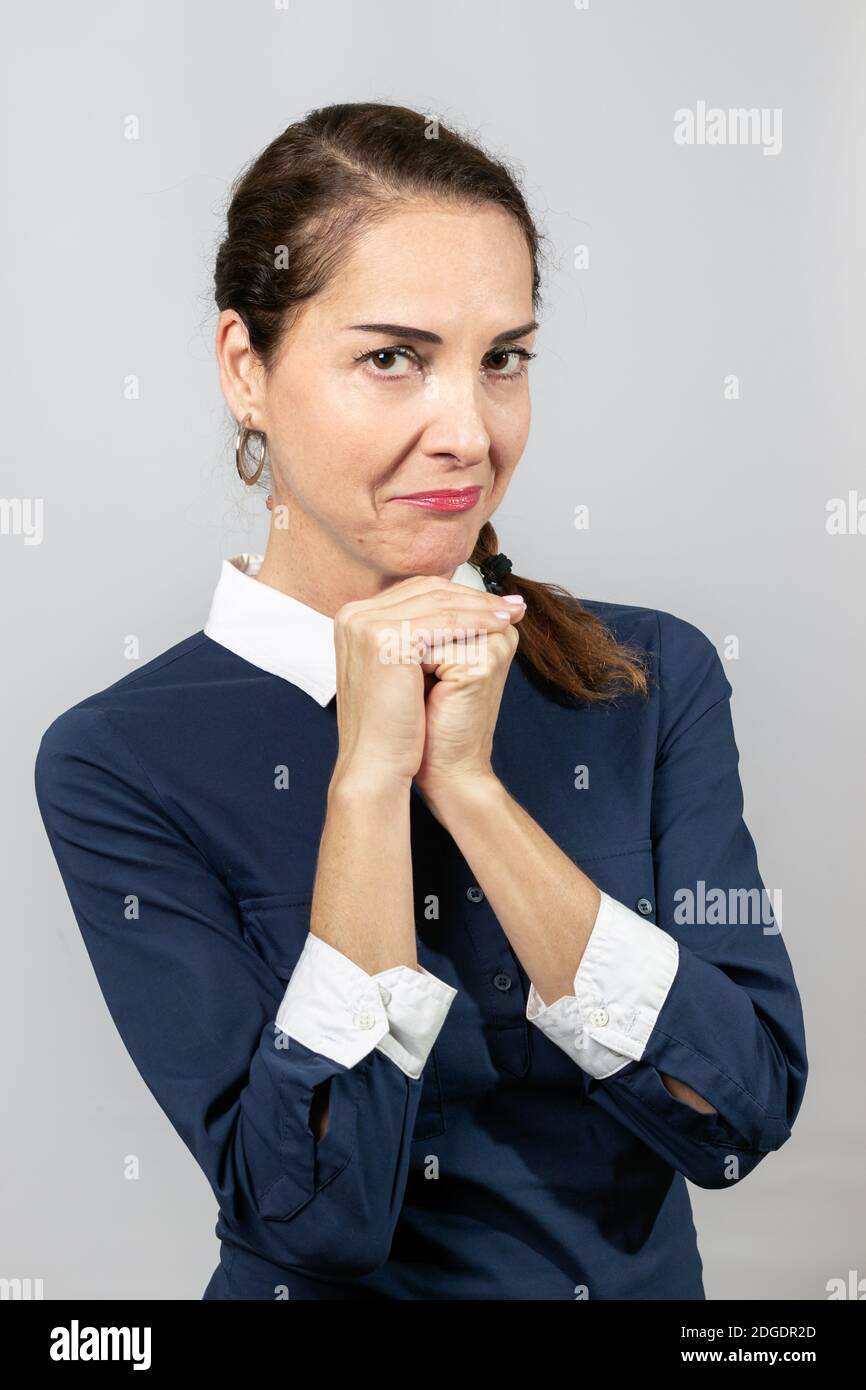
(447, 500)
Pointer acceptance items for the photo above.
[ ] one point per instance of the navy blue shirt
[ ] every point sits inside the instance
(504, 1171)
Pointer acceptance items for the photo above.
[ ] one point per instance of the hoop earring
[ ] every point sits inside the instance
(240, 444)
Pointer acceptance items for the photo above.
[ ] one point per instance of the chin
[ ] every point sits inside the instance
(438, 555)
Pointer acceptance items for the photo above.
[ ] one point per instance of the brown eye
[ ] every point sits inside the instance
(380, 361)
(521, 356)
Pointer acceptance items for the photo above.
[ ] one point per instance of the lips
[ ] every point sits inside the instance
(444, 500)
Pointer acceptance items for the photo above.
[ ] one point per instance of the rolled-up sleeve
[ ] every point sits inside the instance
(624, 977)
(707, 995)
(205, 1019)
(335, 1007)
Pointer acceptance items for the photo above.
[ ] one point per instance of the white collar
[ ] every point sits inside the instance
(278, 633)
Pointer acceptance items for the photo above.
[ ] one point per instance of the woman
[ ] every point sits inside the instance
(425, 975)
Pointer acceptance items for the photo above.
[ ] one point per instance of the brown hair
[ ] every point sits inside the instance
(293, 218)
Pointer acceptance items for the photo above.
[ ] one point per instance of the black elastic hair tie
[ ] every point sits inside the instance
(493, 571)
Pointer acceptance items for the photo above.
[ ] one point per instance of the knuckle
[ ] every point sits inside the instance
(345, 612)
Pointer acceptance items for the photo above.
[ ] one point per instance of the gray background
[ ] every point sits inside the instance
(704, 261)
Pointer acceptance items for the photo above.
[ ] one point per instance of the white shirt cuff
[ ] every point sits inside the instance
(622, 982)
(335, 1008)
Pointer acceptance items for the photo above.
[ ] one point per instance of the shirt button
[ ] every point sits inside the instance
(599, 1017)
(364, 1019)
(385, 993)
(502, 981)
(578, 1039)
(645, 906)
(474, 894)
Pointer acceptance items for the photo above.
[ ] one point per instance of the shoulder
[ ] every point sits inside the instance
(687, 671)
(677, 639)
(89, 733)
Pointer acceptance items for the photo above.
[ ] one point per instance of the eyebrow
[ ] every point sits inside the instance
(423, 335)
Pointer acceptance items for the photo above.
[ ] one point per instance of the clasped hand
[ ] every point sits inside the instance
(421, 669)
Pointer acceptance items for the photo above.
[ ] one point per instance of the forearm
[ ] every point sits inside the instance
(365, 844)
(544, 903)
(362, 897)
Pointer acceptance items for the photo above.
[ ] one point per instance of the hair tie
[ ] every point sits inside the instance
(493, 571)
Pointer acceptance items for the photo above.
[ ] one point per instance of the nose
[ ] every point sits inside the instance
(456, 425)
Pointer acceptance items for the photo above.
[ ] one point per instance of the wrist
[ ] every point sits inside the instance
(477, 791)
(356, 781)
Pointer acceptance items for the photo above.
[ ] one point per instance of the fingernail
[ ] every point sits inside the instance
(502, 612)
(513, 598)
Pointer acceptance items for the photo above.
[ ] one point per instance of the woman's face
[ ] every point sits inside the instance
(434, 398)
